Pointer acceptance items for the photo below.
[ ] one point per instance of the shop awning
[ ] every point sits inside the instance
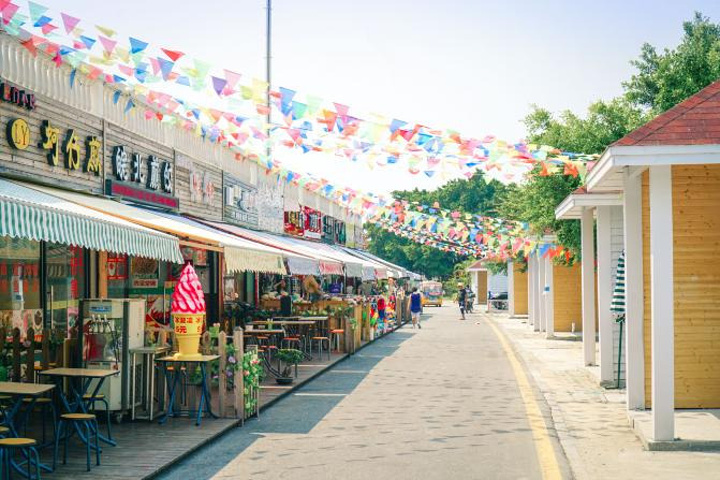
(322, 264)
(240, 255)
(368, 274)
(303, 266)
(36, 213)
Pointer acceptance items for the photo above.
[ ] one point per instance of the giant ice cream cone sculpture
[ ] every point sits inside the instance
(188, 313)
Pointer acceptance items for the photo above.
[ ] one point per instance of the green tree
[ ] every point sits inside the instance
(665, 79)
(469, 196)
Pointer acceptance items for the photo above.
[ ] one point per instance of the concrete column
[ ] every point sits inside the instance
(634, 302)
(549, 299)
(588, 285)
(605, 289)
(662, 303)
(531, 291)
(537, 297)
(511, 288)
(541, 292)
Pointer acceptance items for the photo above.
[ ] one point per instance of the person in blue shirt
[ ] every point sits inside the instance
(415, 307)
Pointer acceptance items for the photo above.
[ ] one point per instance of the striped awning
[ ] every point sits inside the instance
(331, 268)
(617, 307)
(38, 215)
(303, 266)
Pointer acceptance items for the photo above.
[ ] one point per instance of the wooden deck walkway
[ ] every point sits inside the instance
(146, 448)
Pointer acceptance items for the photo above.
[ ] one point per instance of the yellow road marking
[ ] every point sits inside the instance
(541, 437)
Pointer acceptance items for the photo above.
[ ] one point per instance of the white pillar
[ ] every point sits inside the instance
(634, 296)
(531, 290)
(537, 301)
(541, 293)
(511, 288)
(549, 299)
(474, 285)
(662, 303)
(588, 286)
(605, 289)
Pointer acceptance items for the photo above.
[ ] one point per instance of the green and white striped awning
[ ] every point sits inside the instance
(617, 307)
(38, 215)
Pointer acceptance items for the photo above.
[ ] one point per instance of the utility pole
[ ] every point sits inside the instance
(268, 73)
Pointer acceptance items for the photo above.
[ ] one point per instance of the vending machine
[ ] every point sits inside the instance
(109, 329)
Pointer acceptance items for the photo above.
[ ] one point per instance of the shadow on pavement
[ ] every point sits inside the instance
(298, 413)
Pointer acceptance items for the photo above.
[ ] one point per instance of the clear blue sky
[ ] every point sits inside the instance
(474, 66)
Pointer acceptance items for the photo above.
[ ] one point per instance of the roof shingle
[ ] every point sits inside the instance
(694, 121)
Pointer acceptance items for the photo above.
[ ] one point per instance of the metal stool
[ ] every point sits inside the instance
(87, 420)
(335, 336)
(44, 404)
(290, 342)
(100, 397)
(8, 448)
(320, 341)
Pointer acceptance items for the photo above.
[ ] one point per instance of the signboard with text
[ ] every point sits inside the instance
(239, 202)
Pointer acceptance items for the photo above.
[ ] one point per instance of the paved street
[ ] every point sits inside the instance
(443, 402)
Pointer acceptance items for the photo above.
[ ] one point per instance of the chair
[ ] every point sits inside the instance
(335, 337)
(86, 420)
(290, 342)
(10, 446)
(100, 397)
(45, 405)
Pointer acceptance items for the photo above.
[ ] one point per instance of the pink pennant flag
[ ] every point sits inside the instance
(108, 45)
(69, 22)
(232, 78)
(8, 12)
(48, 28)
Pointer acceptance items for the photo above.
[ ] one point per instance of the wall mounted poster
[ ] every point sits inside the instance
(313, 223)
(144, 273)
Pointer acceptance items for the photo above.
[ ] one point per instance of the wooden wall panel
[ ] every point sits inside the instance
(482, 292)
(696, 243)
(520, 290)
(567, 282)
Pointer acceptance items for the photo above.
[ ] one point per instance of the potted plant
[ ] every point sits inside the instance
(288, 357)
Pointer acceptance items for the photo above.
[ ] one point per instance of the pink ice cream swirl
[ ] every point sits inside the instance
(188, 296)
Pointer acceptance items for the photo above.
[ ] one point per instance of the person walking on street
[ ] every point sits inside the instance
(462, 298)
(415, 307)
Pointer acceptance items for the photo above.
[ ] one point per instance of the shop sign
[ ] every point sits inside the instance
(313, 223)
(144, 273)
(294, 223)
(240, 202)
(16, 96)
(202, 188)
(146, 180)
(58, 144)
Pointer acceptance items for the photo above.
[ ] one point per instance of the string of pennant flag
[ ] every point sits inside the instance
(233, 107)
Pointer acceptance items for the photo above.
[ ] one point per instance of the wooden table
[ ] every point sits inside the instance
(174, 380)
(78, 390)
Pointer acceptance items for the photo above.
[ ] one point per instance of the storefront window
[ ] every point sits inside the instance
(65, 284)
(20, 304)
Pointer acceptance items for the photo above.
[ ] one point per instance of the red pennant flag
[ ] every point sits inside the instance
(172, 54)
